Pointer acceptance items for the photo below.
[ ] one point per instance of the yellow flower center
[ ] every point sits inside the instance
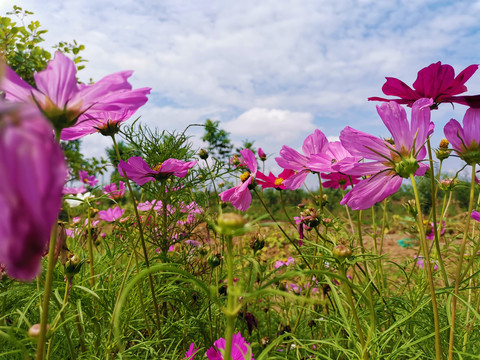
(278, 181)
(444, 144)
(244, 177)
(157, 167)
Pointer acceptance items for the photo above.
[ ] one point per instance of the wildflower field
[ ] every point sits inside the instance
(190, 253)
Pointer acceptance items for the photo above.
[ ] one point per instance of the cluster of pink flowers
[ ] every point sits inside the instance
(372, 166)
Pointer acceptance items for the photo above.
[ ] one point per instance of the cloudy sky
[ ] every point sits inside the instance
(271, 71)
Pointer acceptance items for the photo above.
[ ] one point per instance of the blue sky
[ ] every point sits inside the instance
(271, 71)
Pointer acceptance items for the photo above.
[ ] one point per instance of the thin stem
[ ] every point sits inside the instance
(142, 239)
(47, 292)
(281, 229)
(90, 250)
(428, 268)
(458, 272)
(351, 303)
(434, 212)
(230, 312)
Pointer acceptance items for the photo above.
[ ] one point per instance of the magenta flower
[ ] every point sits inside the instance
(272, 181)
(239, 196)
(315, 143)
(240, 349)
(334, 154)
(106, 123)
(191, 353)
(85, 178)
(281, 263)
(430, 231)
(261, 154)
(63, 101)
(437, 82)
(113, 192)
(33, 175)
(110, 214)
(391, 162)
(475, 215)
(337, 180)
(138, 170)
(421, 263)
(465, 141)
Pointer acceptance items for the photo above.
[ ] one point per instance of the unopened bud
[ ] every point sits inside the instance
(34, 331)
(230, 223)
(73, 265)
(214, 260)
(203, 154)
(342, 251)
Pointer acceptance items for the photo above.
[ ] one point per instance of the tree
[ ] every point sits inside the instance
(19, 45)
(218, 140)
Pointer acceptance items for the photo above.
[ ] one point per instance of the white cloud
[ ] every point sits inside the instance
(317, 61)
(271, 125)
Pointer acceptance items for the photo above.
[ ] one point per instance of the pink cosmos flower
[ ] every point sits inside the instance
(110, 214)
(421, 263)
(63, 101)
(437, 82)
(106, 123)
(113, 192)
(335, 153)
(240, 349)
(391, 163)
(73, 190)
(85, 178)
(33, 175)
(261, 154)
(337, 180)
(430, 232)
(191, 353)
(138, 170)
(272, 181)
(475, 215)
(239, 196)
(465, 141)
(315, 143)
(287, 262)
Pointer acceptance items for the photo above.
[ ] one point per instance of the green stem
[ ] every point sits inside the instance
(281, 229)
(458, 273)
(231, 311)
(433, 185)
(90, 250)
(428, 267)
(351, 303)
(47, 292)
(142, 239)
(320, 191)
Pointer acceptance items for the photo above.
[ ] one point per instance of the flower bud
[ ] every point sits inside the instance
(73, 265)
(230, 223)
(34, 331)
(203, 154)
(342, 251)
(257, 244)
(261, 154)
(443, 152)
(214, 260)
(411, 207)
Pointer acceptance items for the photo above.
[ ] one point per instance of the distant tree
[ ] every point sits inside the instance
(219, 142)
(19, 45)
(246, 144)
